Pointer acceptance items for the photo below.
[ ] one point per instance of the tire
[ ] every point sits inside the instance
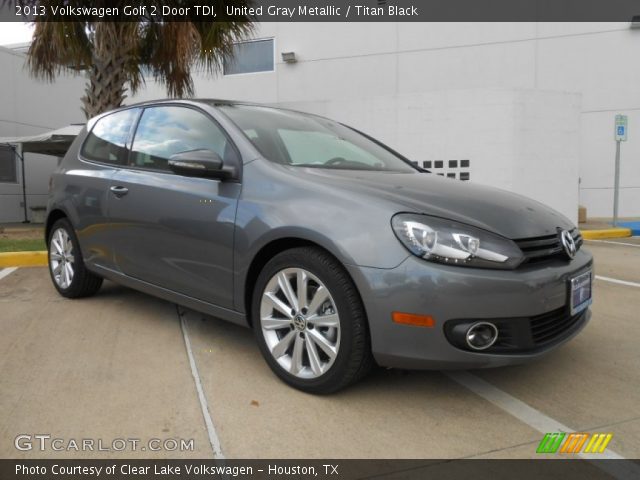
(66, 266)
(324, 346)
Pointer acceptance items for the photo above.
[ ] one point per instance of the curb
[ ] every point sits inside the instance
(634, 226)
(605, 233)
(23, 259)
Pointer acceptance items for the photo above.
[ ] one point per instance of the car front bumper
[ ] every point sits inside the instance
(449, 293)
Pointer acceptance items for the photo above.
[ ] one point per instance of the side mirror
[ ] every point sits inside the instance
(200, 163)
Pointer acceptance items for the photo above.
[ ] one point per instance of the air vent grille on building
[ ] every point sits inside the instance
(460, 169)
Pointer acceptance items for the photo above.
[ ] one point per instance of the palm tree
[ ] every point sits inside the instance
(117, 53)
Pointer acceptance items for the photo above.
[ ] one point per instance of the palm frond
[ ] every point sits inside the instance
(163, 48)
(57, 46)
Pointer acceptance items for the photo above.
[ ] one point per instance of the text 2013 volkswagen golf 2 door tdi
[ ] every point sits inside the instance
(335, 249)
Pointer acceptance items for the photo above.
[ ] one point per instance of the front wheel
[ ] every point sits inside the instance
(309, 321)
(66, 266)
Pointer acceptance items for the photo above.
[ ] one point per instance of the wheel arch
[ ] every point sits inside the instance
(266, 253)
(54, 215)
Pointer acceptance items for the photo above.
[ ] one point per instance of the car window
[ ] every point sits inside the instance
(302, 140)
(107, 141)
(316, 148)
(165, 131)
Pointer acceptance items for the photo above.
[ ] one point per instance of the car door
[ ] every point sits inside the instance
(86, 183)
(174, 231)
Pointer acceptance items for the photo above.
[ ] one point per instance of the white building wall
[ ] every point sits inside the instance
(512, 138)
(30, 107)
(592, 63)
(598, 60)
(427, 89)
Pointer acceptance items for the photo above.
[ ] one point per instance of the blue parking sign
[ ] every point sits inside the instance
(621, 128)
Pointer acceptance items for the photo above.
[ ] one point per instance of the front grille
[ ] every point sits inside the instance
(526, 334)
(546, 328)
(531, 333)
(545, 248)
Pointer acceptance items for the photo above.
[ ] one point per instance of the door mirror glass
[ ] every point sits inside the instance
(198, 163)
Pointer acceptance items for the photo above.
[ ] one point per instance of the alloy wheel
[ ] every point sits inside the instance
(61, 258)
(300, 323)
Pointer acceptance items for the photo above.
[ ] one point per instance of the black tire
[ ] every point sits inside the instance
(83, 283)
(354, 359)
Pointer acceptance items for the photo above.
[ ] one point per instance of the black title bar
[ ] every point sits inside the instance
(324, 10)
(316, 469)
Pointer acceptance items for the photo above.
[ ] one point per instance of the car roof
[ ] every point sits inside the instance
(212, 102)
(207, 101)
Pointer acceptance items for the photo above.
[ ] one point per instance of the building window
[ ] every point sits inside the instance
(250, 57)
(8, 169)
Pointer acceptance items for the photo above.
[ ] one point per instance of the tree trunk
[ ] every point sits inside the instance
(105, 88)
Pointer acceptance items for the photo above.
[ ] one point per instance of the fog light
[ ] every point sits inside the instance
(481, 335)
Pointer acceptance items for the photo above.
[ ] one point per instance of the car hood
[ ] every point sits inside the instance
(505, 213)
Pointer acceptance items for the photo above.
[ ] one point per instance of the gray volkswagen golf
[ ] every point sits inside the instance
(332, 247)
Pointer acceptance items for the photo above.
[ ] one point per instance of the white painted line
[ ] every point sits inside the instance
(619, 282)
(541, 422)
(515, 407)
(616, 243)
(211, 430)
(7, 271)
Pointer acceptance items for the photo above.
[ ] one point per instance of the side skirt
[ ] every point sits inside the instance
(160, 292)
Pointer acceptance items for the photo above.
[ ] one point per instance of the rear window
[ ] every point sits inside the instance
(107, 141)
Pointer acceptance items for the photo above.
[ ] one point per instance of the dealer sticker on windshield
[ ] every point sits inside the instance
(580, 292)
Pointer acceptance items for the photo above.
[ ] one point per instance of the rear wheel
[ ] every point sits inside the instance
(310, 322)
(66, 266)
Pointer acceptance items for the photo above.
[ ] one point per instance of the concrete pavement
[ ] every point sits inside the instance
(115, 366)
(112, 366)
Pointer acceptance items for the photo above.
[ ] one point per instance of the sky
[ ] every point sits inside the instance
(15, 32)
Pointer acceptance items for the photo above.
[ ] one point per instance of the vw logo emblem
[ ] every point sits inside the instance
(300, 322)
(568, 243)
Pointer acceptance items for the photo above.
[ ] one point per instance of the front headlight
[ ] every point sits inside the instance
(445, 241)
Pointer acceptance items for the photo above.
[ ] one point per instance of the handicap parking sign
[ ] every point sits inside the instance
(621, 128)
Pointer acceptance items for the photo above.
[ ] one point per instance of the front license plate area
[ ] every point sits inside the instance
(580, 292)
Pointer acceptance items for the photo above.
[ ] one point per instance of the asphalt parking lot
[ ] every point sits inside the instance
(117, 365)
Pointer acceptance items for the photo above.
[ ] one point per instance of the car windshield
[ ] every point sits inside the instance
(302, 140)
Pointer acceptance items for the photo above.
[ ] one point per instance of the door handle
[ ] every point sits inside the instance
(119, 191)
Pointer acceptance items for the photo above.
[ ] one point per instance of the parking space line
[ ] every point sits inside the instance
(211, 430)
(615, 243)
(619, 282)
(7, 271)
(539, 421)
(523, 412)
